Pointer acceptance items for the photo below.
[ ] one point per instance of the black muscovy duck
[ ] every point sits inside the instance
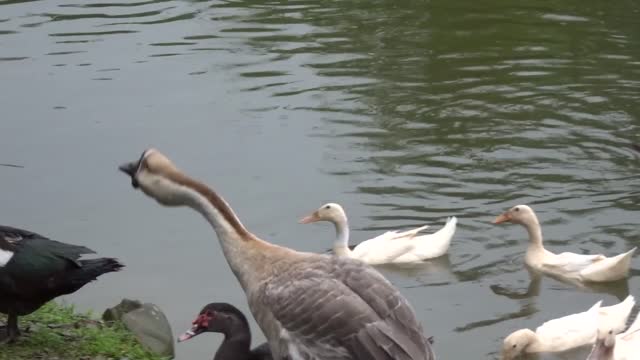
(35, 269)
(227, 319)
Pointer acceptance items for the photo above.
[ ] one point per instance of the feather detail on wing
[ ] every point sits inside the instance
(409, 234)
(13, 235)
(570, 331)
(616, 315)
(381, 253)
(570, 262)
(343, 309)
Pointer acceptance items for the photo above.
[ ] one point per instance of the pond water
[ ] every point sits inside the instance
(405, 112)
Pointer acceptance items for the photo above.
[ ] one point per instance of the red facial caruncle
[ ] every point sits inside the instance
(202, 321)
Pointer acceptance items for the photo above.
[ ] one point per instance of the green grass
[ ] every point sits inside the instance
(58, 332)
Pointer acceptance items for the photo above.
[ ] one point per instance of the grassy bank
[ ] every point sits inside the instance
(58, 332)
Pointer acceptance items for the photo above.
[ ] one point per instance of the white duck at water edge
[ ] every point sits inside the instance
(587, 268)
(566, 333)
(392, 247)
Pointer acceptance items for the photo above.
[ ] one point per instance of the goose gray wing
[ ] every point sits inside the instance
(340, 308)
(386, 300)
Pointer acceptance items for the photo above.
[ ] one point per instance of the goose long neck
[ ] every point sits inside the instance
(341, 244)
(239, 246)
(217, 212)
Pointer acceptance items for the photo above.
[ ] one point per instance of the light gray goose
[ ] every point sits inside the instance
(309, 306)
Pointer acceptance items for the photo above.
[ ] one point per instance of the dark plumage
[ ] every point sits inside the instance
(35, 270)
(228, 320)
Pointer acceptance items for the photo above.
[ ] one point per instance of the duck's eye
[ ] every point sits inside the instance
(515, 346)
(328, 207)
(517, 209)
(610, 332)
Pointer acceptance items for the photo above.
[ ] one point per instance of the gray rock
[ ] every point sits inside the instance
(115, 313)
(151, 327)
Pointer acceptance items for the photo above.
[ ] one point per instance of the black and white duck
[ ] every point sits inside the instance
(35, 269)
(228, 320)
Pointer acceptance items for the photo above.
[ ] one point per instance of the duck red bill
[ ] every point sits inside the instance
(186, 336)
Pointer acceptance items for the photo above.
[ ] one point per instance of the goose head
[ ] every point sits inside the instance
(219, 318)
(331, 212)
(516, 343)
(519, 214)
(159, 178)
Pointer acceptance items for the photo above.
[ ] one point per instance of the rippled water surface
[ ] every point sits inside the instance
(405, 112)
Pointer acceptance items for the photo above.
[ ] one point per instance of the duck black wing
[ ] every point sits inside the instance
(39, 258)
(12, 234)
(42, 269)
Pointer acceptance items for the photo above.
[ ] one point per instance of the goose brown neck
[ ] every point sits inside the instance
(216, 201)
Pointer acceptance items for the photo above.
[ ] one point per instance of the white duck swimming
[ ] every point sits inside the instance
(390, 247)
(566, 333)
(594, 268)
(614, 345)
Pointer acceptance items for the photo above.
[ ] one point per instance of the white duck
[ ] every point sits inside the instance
(589, 268)
(613, 344)
(309, 306)
(566, 333)
(392, 247)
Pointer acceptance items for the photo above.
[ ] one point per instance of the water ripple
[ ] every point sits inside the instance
(425, 110)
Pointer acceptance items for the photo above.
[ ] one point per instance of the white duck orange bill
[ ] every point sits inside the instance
(310, 218)
(504, 217)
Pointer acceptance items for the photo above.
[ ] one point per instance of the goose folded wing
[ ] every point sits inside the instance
(383, 298)
(320, 312)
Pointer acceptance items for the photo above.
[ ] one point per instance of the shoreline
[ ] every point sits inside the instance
(57, 331)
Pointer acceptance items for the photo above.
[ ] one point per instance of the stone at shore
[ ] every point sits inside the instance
(117, 312)
(147, 322)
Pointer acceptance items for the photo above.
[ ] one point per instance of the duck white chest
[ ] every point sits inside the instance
(5, 257)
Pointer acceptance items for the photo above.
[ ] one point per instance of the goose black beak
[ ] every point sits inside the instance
(130, 169)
